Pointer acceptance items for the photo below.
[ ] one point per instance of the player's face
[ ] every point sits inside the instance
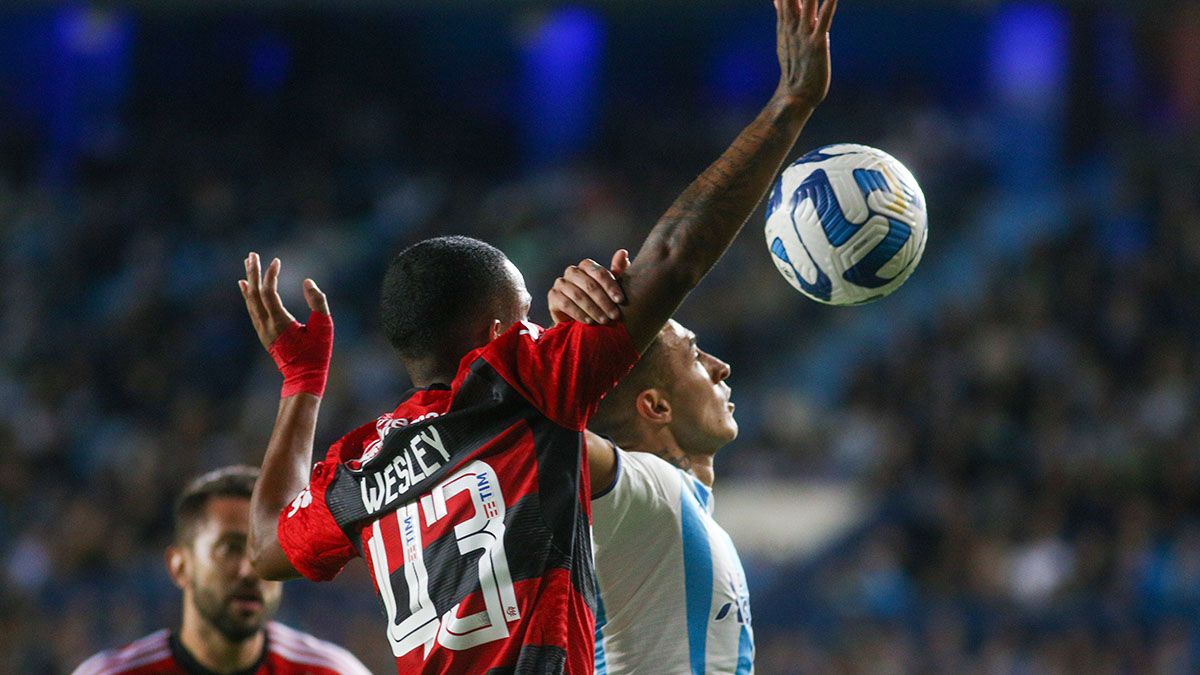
(224, 587)
(701, 412)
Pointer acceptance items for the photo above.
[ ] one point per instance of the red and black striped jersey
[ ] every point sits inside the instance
(287, 652)
(471, 505)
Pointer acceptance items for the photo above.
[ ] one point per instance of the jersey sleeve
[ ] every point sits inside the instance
(644, 483)
(308, 533)
(564, 371)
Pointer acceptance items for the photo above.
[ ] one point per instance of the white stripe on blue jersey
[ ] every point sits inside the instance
(673, 597)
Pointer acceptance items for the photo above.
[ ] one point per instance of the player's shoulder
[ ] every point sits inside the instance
(505, 354)
(524, 335)
(520, 334)
(364, 442)
(673, 479)
(133, 657)
(299, 648)
(650, 474)
(651, 464)
(350, 446)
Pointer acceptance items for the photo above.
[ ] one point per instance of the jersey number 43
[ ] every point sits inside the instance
(420, 624)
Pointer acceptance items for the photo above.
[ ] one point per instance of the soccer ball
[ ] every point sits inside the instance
(846, 224)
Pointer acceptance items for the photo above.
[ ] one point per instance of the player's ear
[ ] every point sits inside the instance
(484, 333)
(652, 406)
(177, 565)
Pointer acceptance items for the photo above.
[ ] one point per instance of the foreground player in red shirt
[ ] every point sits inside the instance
(470, 500)
(227, 608)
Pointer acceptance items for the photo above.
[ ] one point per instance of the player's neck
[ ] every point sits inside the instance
(430, 380)
(428, 374)
(213, 650)
(702, 468)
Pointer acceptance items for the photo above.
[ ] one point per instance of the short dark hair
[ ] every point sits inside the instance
(616, 412)
(229, 481)
(435, 289)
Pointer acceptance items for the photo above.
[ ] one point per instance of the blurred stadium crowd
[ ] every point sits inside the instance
(1030, 449)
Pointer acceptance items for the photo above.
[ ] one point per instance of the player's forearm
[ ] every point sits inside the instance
(695, 231)
(285, 472)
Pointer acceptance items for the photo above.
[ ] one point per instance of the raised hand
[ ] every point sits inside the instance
(802, 43)
(588, 292)
(302, 352)
(266, 309)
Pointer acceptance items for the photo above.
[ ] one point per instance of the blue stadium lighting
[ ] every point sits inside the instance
(270, 61)
(1029, 52)
(86, 85)
(1117, 59)
(1027, 63)
(562, 67)
(743, 72)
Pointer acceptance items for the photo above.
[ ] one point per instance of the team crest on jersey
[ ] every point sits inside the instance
(301, 501)
(384, 426)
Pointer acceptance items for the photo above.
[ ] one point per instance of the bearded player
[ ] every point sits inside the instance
(470, 501)
(227, 608)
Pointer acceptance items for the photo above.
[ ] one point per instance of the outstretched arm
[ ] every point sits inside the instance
(302, 353)
(695, 231)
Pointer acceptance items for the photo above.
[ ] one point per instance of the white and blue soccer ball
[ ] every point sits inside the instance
(846, 224)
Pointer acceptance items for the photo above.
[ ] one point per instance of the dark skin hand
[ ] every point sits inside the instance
(695, 231)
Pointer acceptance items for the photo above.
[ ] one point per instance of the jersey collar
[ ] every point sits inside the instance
(191, 666)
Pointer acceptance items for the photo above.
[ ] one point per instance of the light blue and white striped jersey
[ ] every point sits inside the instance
(673, 595)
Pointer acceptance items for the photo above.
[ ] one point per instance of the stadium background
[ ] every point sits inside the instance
(994, 470)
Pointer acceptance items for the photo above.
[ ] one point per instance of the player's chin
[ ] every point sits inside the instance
(247, 615)
(238, 625)
(729, 428)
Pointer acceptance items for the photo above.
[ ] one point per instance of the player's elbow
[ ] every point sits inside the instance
(268, 566)
(265, 555)
(267, 573)
(258, 559)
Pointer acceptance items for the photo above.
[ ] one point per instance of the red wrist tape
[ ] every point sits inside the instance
(302, 353)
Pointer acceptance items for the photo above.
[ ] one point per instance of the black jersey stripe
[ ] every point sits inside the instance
(536, 660)
(559, 453)
(453, 575)
(484, 406)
